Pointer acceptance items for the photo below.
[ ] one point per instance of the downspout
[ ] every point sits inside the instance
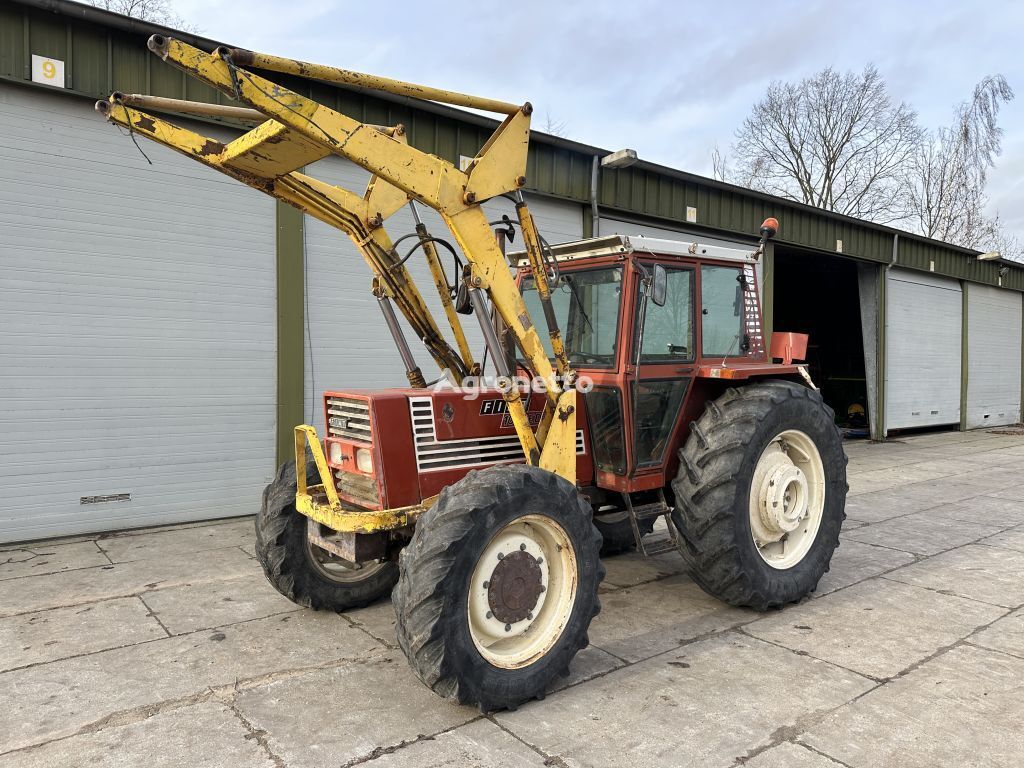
(595, 216)
(881, 362)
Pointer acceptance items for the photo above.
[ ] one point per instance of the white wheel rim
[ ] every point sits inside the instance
(508, 643)
(787, 499)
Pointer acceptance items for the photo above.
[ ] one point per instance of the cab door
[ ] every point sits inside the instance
(657, 388)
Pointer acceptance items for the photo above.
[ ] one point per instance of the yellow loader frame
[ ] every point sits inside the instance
(294, 131)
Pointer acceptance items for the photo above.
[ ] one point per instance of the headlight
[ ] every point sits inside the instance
(334, 451)
(364, 461)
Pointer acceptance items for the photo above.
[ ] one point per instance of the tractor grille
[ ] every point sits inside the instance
(432, 453)
(362, 488)
(349, 418)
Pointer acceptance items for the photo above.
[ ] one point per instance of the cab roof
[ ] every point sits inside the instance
(611, 245)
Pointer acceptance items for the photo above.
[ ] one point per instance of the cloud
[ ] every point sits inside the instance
(670, 79)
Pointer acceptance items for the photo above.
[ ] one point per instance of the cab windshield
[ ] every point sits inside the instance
(586, 305)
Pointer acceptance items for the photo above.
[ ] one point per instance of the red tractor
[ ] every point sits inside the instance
(652, 393)
(684, 416)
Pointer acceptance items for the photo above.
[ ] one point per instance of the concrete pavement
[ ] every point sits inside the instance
(167, 647)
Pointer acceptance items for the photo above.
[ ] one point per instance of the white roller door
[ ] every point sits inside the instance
(137, 329)
(348, 345)
(993, 356)
(923, 326)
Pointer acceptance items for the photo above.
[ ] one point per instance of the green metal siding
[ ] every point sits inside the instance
(932, 256)
(649, 193)
(99, 59)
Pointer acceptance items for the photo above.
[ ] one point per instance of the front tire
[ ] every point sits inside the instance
(301, 571)
(761, 494)
(498, 586)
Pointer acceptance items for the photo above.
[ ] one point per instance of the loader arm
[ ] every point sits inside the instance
(299, 131)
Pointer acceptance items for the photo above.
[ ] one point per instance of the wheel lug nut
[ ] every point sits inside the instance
(540, 560)
(501, 555)
(522, 547)
(487, 585)
(490, 615)
(529, 615)
(543, 588)
(508, 627)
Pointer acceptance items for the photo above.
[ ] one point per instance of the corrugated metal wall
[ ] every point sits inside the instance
(993, 357)
(137, 333)
(923, 336)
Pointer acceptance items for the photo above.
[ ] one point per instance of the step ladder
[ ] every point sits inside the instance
(648, 511)
(753, 327)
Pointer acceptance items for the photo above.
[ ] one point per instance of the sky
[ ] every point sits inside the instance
(669, 79)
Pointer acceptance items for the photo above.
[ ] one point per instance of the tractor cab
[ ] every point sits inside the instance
(654, 328)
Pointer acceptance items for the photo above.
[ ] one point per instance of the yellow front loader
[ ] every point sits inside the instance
(293, 132)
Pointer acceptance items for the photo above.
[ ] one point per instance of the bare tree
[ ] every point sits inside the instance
(156, 11)
(554, 126)
(946, 180)
(837, 141)
(719, 164)
(834, 140)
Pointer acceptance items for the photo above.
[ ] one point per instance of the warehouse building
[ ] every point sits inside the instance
(163, 327)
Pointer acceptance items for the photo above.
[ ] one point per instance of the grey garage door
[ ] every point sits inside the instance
(137, 329)
(348, 344)
(993, 356)
(923, 341)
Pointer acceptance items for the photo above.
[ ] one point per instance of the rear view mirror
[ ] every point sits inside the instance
(659, 286)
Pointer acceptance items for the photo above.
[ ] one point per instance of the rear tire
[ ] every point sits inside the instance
(508, 549)
(617, 531)
(297, 569)
(771, 445)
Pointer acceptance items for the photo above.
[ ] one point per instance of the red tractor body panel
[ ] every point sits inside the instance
(422, 440)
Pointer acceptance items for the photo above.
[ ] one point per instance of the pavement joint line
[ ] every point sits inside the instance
(194, 552)
(144, 590)
(153, 614)
(223, 694)
(102, 551)
(392, 748)
(605, 650)
(118, 534)
(980, 647)
(1000, 547)
(123, 718)
(550, 760)
(258, 735)
(906, 514)
(884, 680)
(147, 642)
(946, 593)
(101, 566)
(627, 664)
(806, 654)
(947, 648)
(246, 553)
(826, 755)
(790, 733)
(362, 628)
(921, 556)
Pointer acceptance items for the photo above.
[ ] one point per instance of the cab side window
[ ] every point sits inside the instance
(721, 311)
(668, 330)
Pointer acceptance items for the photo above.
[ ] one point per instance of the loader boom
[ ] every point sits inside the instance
(298, 131)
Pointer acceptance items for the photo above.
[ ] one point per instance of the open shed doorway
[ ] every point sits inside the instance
(818, 294)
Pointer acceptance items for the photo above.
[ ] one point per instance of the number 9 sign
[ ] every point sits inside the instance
(47, 71)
